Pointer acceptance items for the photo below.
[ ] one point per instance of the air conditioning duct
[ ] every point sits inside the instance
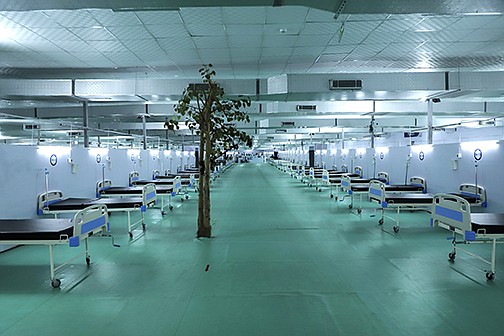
(306, 107)
(200, 87)
(345, 84)
(30, 127)
(288, 124)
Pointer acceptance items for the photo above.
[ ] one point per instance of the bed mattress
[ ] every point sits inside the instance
(493, 223)
(35, 229)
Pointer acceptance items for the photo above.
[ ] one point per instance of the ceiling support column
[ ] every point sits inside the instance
(85, 123)
(430, 129)
(144, 133)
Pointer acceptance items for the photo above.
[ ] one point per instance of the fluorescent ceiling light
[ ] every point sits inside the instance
(421, 148)
(383, 150)
(482, 145)
(98, 150)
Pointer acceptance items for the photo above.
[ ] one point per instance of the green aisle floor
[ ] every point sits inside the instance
(285, 260)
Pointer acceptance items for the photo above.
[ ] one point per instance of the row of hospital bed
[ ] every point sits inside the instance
(450, 211)
(90, 215)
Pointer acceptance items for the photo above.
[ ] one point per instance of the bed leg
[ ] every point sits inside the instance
(398, 220)
(129, 224)
(55, 283)
(51, 260)
(382, 217)
(88, 258)
(491, 275)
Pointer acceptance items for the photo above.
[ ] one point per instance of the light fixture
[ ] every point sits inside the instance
(482, 145)
(421, 148)
(383, 150)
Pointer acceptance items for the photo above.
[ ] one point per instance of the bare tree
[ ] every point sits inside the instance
(205, 110)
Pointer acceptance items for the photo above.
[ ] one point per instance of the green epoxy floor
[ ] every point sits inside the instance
(285, 260)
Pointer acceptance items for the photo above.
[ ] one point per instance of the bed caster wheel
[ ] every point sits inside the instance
(396, 229)
(350, 206)
(359, 211)
(380, 222)
(55, 283)
(88, 260)
(490, 275)
(187, 197)
(451, 256)
(332, 196)
(320, 190)
(131, 235)
(143, 227)
(171, 208)
(163, 213)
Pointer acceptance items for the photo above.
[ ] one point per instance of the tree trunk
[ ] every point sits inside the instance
(201, 187)
(204, 226)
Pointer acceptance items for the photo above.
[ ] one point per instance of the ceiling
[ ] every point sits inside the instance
(145, 40)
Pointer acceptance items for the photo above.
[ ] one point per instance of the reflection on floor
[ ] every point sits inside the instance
(285, 260)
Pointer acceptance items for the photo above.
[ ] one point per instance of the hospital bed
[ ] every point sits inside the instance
(475, 195)
(352, 186)
(185, 174)
(453, 213)
(133, 177)
(178, 184)
(322, 176)
(54, 231)
(104, 188)
(53, 202)
(333, 179)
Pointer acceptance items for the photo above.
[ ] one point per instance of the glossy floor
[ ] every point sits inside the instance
(285, 260)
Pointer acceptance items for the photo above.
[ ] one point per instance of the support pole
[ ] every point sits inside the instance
(85, 123)
(429, 121)
(144, 126)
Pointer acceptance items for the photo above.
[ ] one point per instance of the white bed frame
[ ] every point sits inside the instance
(453, 213)
(477, 191)
(87, 222)
(149, 198)
(346, 186)
(133, 176)
(383, 176)
(377, 191)
(102, 185)
(358, 171)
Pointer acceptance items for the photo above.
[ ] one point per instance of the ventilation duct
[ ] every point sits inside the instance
(30, 127)
(306, 107)
(288, 124)
(345, 84)
(199, 87)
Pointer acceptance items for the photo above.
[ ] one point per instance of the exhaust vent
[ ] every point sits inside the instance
(288, 124)
(30, 127)
(199, 87)
(306, 107)
(412, 134)
(345, 84)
